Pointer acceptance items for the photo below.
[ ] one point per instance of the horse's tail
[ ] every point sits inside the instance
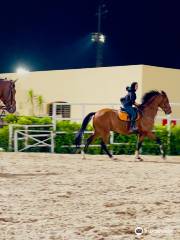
(85, 122)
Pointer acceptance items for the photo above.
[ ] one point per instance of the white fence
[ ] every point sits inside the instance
(31, 136)
(45, 138)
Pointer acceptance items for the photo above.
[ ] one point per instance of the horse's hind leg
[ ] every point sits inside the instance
(104, 147)
(88, 142)
(104, 141)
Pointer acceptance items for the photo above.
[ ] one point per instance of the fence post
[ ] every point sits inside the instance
(52, 141)
(169, 131)
(54, 116)
(10, 137)
(16, 141)
(26, 136)
(54, 127)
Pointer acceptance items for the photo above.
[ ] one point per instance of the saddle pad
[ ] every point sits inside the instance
(125, 117)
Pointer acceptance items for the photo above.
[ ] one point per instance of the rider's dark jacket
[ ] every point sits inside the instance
(130, 98)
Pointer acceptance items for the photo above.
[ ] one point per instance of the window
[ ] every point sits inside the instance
(63, 110)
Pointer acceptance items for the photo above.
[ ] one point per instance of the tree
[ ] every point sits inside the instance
(31, 98)
(40, 102)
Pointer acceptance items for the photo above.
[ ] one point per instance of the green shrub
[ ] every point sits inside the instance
(11, 118)
(174, 143)
(24, 121)
(67, 126)
(4, 138)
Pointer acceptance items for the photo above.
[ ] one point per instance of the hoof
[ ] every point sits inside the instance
(83, 155)
(77, 151)
(138, 159)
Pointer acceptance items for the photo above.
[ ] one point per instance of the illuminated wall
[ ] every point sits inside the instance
(94, 85)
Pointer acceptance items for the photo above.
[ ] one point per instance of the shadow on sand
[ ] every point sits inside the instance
(149, 161)
(14, 175)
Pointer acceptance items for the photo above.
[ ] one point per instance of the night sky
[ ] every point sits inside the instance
(55, 35)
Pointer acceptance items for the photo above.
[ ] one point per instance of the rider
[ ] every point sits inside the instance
(128, 101)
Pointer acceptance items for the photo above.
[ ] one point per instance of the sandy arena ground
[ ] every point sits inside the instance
(61, 197)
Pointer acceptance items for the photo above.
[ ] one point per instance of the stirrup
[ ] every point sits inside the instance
(133, 129)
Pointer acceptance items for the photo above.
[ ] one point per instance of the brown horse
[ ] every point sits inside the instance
(7, 95)
(106, 120)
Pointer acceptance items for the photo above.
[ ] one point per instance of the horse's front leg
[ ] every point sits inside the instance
(151, 135)
(138, 146)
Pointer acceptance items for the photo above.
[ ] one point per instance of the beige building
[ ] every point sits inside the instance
(93, 85)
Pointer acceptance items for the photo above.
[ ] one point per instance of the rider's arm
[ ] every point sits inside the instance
(132, 98)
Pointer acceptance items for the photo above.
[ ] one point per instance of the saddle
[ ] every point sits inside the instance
(124, 116)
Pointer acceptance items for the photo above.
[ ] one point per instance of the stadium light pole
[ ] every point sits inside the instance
(98, 37)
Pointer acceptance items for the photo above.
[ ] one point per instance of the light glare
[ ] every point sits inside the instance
(98, 37)
(22, 70)
(102, 38)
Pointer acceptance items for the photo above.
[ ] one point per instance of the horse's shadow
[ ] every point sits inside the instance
(15, 175)
(148, 161)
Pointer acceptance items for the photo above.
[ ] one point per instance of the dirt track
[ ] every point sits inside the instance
(61, 197)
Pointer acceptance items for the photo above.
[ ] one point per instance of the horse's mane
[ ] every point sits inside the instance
(147, 96)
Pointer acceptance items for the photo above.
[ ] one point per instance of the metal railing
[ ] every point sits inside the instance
(31, 137)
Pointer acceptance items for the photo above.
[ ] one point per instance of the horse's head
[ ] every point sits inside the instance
(158, 99)
(8, 91)
(164, 103)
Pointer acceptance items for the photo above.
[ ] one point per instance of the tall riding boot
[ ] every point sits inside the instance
(133, 127)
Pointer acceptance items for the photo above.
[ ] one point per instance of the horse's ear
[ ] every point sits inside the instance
(163, 93)
(15, 81)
